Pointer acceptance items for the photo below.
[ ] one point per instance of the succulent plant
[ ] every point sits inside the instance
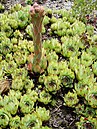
(13, 93)
(17, 34)
(90, 30)
(86, 58)
(31, 121)
(1, 7)
(71, 99)
(23, 18)
(82, 72)
(7, 28)
(44, 97)
(87, 122)
(33, 95)
(94, 67)
(85, 110)
(11, 104)
(5, 46)
(26, 104)
(81, 88)
(1, 102)
(91, 96)
(65, 74)
(4, 118)
(14, 122)
(17, 84)
(28, 84)
(78, 27)
(52, 56)
(29, 30)
(52, 83)
(30, 46)
(20, 73)
(15, 8)
(53, 68)
(94, 38)
(46, 20)
(70, 46)
(10, 67)
(53, 19)
(42, 113)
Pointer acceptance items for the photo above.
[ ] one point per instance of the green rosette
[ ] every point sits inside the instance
(4, 118)
(14, 122)
(26, 104)
(31, 121)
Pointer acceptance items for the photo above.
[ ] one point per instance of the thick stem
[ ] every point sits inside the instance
(37, 14)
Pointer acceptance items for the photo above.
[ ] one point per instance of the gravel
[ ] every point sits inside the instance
(53, 4)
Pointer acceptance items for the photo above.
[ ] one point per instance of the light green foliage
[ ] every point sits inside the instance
(83, 86)
(82, 72)
(74, 62)
(14, 122)
(26, 104)
(94, 38)
(53, 19)
(16, 8)
(30, 46)
(71, 99)
(44, 97)
(13, 93)
(53, 68)
(60, 27)
(1, 7)
(20, 73)
(86, 58)
(45, 127)
(78, 27)
(46, 20)
(10, 67)
(52, 44)
(70, 61)
(4, 118)
(83, 7)
(32, 94)
(11, 104)
(29, 30)
(66, 75)
(90, 30)
(91, 96)
(28, 84)
(85, 111)
(42, 113)
(5, 46)
(29, 2)
(1, 101)
(52, 56)
(70, 46)
(31, 120)
(93, 50)
(94, 67)
(17, 84)
(17, 34)
(52, 83)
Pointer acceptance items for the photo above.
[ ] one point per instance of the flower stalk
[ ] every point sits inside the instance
(37, 15)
